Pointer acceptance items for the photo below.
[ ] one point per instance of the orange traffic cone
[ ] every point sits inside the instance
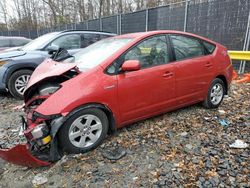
(246, 78)
(235, 75)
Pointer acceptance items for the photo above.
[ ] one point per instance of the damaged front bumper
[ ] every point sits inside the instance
(20, 155)
(31, 156)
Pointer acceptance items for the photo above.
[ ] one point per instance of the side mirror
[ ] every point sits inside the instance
(52, 49)
(131, 65)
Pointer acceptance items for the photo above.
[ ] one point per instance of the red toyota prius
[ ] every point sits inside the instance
(71, 105)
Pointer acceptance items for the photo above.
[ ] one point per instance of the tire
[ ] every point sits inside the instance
(215, 94)
(20, 77)
(81, 131)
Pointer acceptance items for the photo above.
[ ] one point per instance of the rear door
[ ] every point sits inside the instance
(194, 69)
(151, 89)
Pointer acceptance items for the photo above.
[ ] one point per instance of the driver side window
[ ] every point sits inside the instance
(150, 52)
(67, 42)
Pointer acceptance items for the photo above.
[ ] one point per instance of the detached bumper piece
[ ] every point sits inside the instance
(20, 155)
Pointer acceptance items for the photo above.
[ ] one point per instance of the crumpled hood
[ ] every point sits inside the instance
(11, 54)
(49, 68)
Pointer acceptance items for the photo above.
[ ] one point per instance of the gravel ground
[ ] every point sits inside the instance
(185, 148)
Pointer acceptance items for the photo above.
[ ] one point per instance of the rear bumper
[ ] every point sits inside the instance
(20, 155)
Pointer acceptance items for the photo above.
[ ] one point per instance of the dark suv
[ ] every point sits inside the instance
(10, 42)
(17, 66)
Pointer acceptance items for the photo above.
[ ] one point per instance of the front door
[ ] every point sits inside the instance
(151, 89)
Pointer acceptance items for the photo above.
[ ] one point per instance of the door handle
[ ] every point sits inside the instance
(168, 74)
(208, 64)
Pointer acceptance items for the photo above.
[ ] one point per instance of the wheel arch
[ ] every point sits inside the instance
(223, 78)
(14, 69)
(104, 108)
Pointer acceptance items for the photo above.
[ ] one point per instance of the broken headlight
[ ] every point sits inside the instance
(41, 134)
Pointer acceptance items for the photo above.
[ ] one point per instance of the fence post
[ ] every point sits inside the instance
(146, 25)
(186, 15)
(117, 24)
(87, 26)
(100, 23)
(245, 46)
(37, 32)
(120, 27)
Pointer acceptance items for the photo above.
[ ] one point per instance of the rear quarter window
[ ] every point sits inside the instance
(209, 47)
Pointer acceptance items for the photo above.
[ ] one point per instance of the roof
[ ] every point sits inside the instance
(88, 31)
(140, 35)
(13, 37)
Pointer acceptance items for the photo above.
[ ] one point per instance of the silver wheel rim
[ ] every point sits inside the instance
(21, 83)
(85, 131)
(216, 94)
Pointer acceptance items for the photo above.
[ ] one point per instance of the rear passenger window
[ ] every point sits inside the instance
(209, 47)
(186, 47)
(88, 39)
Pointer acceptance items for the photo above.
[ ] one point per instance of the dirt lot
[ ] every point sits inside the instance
(185, 148)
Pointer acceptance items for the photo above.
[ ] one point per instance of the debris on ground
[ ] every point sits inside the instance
(239, 144)
(114, 154)
(224, 122)
(185, 148)
(39, 179)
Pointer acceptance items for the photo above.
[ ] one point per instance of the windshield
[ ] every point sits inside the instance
(39, 42)
(96, 53)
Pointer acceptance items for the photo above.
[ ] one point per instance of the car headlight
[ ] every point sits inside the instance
(2, 62)
(41, 134)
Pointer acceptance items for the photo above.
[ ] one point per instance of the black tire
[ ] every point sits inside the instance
(63, 134)
(207, 103)
(12, 80)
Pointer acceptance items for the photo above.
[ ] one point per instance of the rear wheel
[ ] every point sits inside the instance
(18, 82)
(83, 131)
(215, 94)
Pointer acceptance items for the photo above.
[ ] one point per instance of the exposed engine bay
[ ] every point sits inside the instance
(39, 130)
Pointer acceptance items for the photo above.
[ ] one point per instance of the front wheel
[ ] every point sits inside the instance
(83, 131)
(18, 82)
(215, 94)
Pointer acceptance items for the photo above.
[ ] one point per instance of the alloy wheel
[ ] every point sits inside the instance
(21, 83)
(216, 94)
(85, 131)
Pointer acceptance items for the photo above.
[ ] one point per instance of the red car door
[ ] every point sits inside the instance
(151, 89)
(193, 70)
